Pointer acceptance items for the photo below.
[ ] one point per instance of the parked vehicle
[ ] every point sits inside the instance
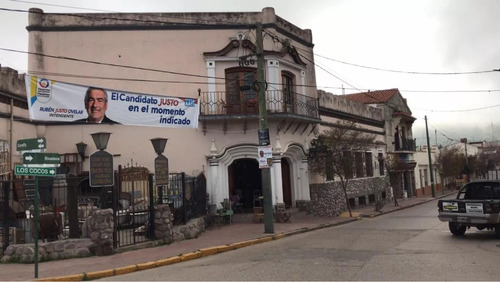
(477, 205)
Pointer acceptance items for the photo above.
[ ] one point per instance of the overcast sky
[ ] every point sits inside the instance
(357, 42)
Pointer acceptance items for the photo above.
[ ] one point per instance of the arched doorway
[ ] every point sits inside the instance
(286, 182)
(244, 177)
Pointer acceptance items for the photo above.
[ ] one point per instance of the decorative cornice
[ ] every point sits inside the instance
(247, 44)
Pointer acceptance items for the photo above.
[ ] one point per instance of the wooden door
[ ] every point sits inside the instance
(286, 180)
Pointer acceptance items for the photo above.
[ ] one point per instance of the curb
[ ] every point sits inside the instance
(215, 250)
(189, 256)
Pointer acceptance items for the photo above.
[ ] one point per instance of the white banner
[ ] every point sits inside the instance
(50, 100)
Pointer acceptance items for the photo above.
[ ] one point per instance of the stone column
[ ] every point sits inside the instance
(275, 94)
(214, 181)
(212, 99)
(303, 182)
(277, 181)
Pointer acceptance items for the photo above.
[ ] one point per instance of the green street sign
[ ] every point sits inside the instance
(42, 159)
(34, 171)
(31, 145)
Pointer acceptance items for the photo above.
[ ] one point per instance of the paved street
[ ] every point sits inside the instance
(410, 244)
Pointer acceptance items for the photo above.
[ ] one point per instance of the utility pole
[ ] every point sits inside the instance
(430, 159)
(464, 140)
(264, 132)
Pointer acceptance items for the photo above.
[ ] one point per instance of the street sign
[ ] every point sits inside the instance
(161, 170)
(101, 169)
(31, 145)
(35, 171)
(264, 137)
(42, 159)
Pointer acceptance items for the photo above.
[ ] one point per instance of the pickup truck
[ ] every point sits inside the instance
(477, 205)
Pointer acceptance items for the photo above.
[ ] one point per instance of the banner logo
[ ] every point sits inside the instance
(44, 90)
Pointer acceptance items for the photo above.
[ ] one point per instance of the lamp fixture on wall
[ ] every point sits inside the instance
(159, 144)
(81, 147)
(101, 140)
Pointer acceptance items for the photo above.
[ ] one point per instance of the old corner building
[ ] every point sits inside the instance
(209, 56)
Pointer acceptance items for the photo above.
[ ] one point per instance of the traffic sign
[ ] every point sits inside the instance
(31, 145)
(34, 171)
(42, 159)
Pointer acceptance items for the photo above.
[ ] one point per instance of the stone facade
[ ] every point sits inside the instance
(163, 224)
(327, 199)
(99, 227)
(64, 249)
(191, 230)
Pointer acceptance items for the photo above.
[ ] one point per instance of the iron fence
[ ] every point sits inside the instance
(277, 101)
(66, 201)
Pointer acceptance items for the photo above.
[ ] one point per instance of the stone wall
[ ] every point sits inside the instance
(99, 230)
(64, 249)
(163, 224)
(327, 199)
(191, 230)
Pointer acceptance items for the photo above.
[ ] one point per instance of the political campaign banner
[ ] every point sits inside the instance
(50, 100)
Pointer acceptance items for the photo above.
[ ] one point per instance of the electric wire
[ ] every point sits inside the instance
(60, 6)
(177, 73)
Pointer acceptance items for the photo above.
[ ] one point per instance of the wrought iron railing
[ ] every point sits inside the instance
(220, 103)
(405, 144)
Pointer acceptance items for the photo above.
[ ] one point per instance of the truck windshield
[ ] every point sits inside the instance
(482, 191)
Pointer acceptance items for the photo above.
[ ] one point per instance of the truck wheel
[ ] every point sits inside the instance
(497, 231)
(458, 230)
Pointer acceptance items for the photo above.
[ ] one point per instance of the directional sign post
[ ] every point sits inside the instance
(36, 163)
(42, 159)
(31, 145)
(35, 171)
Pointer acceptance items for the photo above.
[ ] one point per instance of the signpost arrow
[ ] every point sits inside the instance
(35, 171)
(31, 145)
(42, 159)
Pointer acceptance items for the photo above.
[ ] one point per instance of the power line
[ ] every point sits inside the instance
(110, 64)
(61, 6)
(121, 79)
(406, 72)
(460, 111)
(103, 17)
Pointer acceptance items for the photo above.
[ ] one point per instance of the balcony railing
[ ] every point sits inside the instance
(405, 144)
(220, 103)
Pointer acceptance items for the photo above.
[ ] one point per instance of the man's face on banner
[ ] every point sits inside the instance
(97, 105)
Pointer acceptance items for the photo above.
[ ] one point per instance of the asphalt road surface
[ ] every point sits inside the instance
(410, 244)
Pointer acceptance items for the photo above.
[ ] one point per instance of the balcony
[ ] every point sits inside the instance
(278, 102)
(405, 145)
(244, 105)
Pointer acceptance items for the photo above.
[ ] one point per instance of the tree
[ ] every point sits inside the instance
(450, 163)
(332, 152)
(394, 167)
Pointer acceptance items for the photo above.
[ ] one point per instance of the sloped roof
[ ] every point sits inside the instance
(403, 114)
(373, 97)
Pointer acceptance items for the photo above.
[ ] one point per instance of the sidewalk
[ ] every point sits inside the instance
(241, 233)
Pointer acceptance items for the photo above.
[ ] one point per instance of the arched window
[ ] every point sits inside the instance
(240, 94)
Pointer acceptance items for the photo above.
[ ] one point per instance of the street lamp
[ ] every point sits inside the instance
(159, 144)
(101, 140)
(81, 147)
